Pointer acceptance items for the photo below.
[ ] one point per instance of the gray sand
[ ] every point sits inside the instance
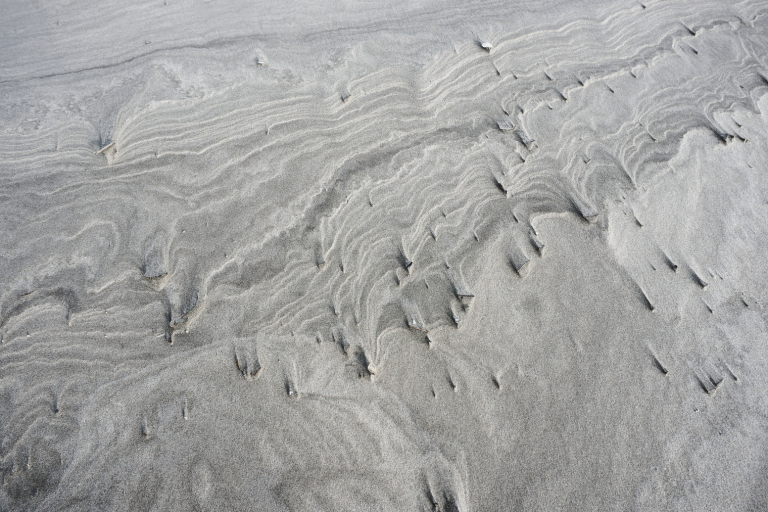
(458, 256)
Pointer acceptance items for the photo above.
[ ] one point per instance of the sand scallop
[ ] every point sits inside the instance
(505, 125)
(413, 325)
(537, 243)
(519, 261)
(106, 148)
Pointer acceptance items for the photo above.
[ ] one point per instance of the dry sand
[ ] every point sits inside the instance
(458, 256)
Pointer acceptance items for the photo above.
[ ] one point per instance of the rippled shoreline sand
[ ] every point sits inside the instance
(384, 256)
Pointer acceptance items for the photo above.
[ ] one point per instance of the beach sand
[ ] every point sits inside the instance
(456, 256)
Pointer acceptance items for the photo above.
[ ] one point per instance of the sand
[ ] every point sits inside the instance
(457, 256)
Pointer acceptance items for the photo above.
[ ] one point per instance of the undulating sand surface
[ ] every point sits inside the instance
(435, 255)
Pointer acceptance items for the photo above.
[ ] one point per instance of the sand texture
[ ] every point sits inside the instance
(384, 256)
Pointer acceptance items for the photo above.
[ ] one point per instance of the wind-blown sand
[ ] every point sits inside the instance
(458, 256)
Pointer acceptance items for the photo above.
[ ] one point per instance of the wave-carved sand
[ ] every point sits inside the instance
(394, 257)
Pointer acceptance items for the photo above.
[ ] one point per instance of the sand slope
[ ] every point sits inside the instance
(382, 256)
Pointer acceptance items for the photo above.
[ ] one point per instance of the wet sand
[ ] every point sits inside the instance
(384, 256)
